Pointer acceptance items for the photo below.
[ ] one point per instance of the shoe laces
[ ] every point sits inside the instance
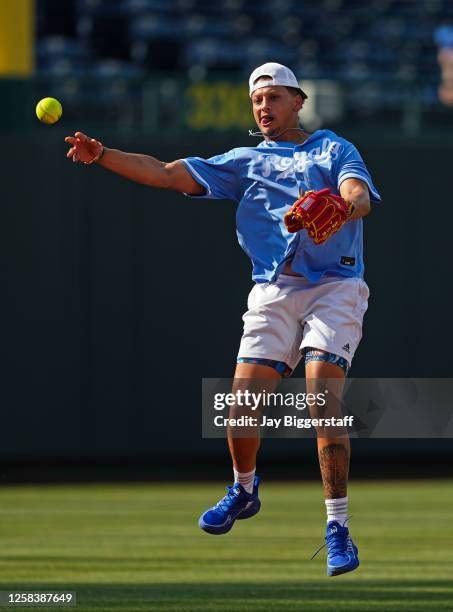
(336, 542)
(228, 501)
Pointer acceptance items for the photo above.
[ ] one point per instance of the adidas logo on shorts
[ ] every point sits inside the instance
(346, 347)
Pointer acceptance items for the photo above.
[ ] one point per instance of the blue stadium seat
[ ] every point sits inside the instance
(135, 7)
(228, 6)
(63, 47)
(58, 55)
(243, 25)
(310, 69)
(358, 49)
(148, 27)
(102, 8)
(260, 51)
(355, 70)
(198, 25)
(387, 29)
(109, 68)
(60, 66)
(214, 53)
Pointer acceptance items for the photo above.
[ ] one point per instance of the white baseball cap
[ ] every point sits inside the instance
(278, 75)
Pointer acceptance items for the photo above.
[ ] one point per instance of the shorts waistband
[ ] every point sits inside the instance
(289, 279)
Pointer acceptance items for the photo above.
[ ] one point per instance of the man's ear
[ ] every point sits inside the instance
(298, 103)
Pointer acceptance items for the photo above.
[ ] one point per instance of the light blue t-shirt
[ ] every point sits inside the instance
(266, 180)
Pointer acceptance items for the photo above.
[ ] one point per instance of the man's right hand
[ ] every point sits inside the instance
(136, 167)
(83, 148)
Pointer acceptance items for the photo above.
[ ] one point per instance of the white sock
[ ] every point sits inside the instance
(246, 479)
(337, 510)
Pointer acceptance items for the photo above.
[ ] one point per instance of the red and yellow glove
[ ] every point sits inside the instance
(321, 213)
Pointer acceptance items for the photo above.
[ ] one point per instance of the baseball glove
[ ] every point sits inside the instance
(321, 213)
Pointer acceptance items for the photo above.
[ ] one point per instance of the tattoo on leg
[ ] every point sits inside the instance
(334, 464)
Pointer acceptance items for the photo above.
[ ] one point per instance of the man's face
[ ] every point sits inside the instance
(275, 108)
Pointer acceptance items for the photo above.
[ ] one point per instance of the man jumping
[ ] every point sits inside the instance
(309, 298)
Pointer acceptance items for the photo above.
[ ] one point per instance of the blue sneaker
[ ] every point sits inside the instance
(237, 504)
(341, 550)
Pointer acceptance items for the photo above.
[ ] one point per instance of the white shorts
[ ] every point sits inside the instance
(292, 313)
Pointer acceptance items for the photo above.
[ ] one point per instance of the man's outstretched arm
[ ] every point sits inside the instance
(134, 166)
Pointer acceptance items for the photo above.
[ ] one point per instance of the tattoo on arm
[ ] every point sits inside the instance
(334, 464)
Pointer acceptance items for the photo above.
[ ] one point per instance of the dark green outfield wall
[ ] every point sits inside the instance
(117, 299)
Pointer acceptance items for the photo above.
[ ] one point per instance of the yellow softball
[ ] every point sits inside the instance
(49, 110)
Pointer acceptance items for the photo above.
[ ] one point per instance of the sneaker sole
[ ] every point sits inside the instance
(213, 530)
(337, 571)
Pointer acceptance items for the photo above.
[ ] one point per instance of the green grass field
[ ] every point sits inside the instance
(138, 547)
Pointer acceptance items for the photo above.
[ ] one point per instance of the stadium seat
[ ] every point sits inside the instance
(380, 41)
(62, 47)
(110, 68)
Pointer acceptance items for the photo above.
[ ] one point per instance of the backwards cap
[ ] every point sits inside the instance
(277, 75)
